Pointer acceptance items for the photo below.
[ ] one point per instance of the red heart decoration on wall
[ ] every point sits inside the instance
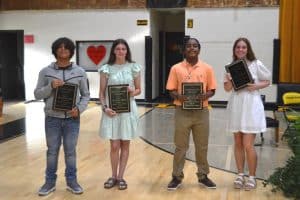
(96, 53)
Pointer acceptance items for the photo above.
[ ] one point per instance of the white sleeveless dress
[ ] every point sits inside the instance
(123, 126)
(245, 109)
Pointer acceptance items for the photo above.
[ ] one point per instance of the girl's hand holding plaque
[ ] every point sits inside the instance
(110, 112)
(131, 91)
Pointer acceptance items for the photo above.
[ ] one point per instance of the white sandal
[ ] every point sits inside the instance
(250, 185)
(239, 182)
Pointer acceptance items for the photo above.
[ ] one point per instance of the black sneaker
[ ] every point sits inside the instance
(74, 187)
(207, 183)
(47, 188)
(174, 184)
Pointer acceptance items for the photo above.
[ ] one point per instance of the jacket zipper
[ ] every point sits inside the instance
(64, 81)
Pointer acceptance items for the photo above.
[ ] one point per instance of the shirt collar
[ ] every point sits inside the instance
(63, 68)
(189, 65)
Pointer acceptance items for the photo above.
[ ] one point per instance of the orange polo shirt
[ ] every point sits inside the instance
(184, 72)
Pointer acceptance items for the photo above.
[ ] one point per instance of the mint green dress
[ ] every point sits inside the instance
(123, 126)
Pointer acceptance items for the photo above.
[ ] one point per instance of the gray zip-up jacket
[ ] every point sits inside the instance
(73, 74)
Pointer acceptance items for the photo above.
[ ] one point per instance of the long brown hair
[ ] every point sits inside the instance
(250, 54)
(112, 56)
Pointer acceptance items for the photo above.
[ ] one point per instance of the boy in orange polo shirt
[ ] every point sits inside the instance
(191, 70)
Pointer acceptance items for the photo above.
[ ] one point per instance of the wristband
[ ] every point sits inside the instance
(104, 107)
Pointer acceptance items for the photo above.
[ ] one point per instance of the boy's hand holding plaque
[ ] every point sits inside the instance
(240, 74)
(119, 98)
(65, 97)
(192, 93)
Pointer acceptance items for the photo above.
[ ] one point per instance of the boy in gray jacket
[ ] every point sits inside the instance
(62, 125)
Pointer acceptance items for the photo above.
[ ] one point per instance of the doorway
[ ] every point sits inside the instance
(12, 64)
(173, 42)
(167, 32)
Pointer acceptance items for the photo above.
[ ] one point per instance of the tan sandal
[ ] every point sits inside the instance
(111, 182)
(250, 185)
(122, 184)
(239, 182)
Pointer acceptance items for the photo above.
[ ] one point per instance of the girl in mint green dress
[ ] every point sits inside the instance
(119, 128)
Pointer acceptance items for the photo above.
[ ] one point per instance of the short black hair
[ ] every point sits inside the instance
(188, 39)
(68, 43)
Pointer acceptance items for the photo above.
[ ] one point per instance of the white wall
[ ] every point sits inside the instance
(46, 26)
(217, 29)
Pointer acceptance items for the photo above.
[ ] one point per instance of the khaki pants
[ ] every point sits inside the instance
(186, 121)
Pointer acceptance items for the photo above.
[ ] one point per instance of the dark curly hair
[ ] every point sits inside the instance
(68, 43)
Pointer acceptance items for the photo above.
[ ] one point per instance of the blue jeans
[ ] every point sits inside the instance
(58, 130)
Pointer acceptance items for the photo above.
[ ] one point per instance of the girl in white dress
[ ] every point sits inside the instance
(119, 128)
(246, 112)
